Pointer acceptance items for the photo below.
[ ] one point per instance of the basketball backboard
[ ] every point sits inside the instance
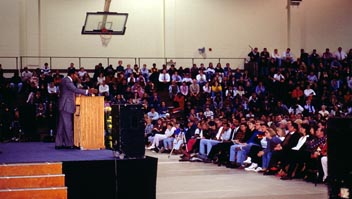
(105, 23)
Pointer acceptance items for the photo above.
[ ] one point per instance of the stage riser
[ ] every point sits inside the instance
(58, 193)
(30, 169)
(32, 181)
(36, 180)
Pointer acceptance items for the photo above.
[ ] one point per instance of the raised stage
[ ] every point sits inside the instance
(89, 173)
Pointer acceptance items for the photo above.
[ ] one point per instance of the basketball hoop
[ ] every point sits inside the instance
(105, 37)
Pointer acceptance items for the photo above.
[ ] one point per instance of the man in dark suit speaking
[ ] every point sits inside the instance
(67, 106)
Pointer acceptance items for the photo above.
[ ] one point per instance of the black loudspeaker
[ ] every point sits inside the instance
(111, 179)
(339, 132)
(128, 130)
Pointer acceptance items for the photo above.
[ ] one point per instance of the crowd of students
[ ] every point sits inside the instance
(211, 107)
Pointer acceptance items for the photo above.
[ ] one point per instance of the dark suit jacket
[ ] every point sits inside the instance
(67, 95)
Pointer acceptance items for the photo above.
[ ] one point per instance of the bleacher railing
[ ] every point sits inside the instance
(11, 64)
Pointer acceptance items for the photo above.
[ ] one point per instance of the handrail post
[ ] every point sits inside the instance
(17, 63)
(51, 62)
(79, 62)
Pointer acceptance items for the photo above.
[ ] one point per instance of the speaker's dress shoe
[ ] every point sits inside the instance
(59, 147)
(72, 147)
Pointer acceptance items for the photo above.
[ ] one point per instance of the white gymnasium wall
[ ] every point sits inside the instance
(322, 24)
(172, 28)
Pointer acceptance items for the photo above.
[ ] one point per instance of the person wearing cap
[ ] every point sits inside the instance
(64, 135)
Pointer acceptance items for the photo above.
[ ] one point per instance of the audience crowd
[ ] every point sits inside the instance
(269, 117)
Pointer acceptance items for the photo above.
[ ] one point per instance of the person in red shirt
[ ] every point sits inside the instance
(297, 94)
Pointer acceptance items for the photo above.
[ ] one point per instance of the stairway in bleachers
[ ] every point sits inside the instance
(32, 180)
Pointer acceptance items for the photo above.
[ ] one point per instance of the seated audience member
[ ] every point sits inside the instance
(179, 141)
(145, 72)
(297, 154)
(273, 138)
(170, 129)
(324, 165)
(279, 156)
(223, 134)
(309, 92)
(164, 80)
(26, 74)
(242, 135)
(179, 102)
(154, 100)
(118, 99)
(309, 108)
(219, 153)
(208, 113)
(323, 112)
(184, 89)
(81, 72)
(256, 151)
(173, 89)
(148, 130)
(100, 78)
(103, 89)
(153, 114)
(316, 148)
(16, 82)
(168, 143)
(194, 92)
(163, 110)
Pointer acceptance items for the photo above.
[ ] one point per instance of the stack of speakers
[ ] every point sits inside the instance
(128, 130)
(339, 139)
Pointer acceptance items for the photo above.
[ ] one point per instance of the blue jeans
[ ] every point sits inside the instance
(168, 142)
(208, 144)
(266, 159)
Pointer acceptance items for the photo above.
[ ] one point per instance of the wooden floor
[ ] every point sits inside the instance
(186, 180)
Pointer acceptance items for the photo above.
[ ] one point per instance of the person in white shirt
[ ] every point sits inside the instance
(184, 89)
(52, 89)
(152, 114)
(164, 80)
(308, 92)
(201, 78)
(309, 109)
(81, 73)
(323, 112)
(45, 69)
(224, 134)
(187, 78)
(26, 74)
(288, 56)
(295, 109)
(104, 89)
(208, 113)
(170, 129)
(340, 55)
(276, 55)
(297, 153)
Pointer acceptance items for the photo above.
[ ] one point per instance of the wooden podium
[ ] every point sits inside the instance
(89, 122)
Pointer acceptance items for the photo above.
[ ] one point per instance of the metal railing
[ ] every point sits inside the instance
(10, 64)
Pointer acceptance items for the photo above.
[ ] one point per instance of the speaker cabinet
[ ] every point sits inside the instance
(128, 130)
(339, 140)
(111, 179)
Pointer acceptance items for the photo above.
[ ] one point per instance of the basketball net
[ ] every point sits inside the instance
(105, 37)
